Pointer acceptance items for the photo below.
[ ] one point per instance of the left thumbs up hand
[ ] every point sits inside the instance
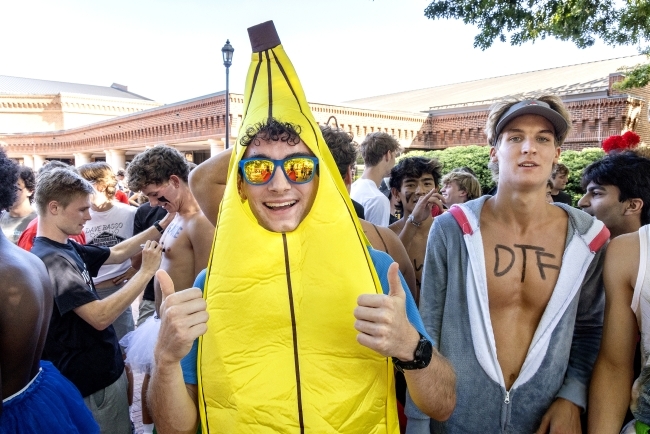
(382, 322)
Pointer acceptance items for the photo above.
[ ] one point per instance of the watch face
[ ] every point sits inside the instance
(424, 352)
(422, 356)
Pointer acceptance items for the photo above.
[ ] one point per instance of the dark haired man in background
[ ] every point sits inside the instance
(618, 192)
(379, 151)
(15, 220)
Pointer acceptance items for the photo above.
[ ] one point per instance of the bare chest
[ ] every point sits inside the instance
(522, 273)
(178, 258)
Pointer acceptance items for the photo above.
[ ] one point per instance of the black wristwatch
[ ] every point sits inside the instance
(421, 357)
(156, 225)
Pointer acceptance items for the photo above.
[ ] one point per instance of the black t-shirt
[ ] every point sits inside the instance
(358, 208)
(90, 358)
(145, 217)
(562, 197)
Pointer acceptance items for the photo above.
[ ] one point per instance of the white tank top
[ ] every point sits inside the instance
(641, 308)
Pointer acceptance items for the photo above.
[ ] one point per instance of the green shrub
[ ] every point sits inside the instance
(474, 156)
(576, 161)
(477, 158)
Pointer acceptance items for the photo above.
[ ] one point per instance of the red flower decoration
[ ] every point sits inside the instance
(627, 141)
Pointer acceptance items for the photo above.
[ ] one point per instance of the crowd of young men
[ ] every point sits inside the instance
(512, 290)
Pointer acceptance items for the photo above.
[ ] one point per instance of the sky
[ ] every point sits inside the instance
(170, 50)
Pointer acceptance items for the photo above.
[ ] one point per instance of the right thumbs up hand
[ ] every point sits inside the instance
(183, 318)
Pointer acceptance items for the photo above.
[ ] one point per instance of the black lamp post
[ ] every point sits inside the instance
(227, 51)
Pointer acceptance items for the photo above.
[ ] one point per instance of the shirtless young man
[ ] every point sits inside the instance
(161, 174)
(511, 288)
(618, 194)
(35, 396)
(414, 181)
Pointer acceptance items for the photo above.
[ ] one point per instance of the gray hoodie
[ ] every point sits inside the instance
(455, 310)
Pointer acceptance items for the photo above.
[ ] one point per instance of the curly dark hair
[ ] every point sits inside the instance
(271, 130)
(155, 166)
(627, 171)
(414, 167)
(344, 149)
(9, 176)
(29, 179)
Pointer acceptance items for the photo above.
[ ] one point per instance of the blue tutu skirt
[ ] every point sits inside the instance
(49, 404)
(139, 345)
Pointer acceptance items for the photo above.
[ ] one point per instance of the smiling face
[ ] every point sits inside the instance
(526, 152)
(165, 195)
(453, 194)
(413, 189)
(279, 205)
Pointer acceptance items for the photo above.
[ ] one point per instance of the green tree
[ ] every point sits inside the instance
(576, 161)
(579, 21)
(477, 157)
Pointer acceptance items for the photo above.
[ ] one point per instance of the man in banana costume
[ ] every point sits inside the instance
(279, 349)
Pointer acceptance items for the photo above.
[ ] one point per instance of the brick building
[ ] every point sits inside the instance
(457, 112)
(433, 118)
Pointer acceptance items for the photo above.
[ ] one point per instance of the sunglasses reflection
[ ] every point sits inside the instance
(260, 171)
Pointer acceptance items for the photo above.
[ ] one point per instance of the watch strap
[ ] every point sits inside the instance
(411, 220)
(156, 224)
(421, 356)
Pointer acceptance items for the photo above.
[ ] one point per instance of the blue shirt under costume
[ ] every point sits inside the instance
(380, 259)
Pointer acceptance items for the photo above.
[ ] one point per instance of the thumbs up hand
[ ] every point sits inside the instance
(382, 322)
(183, 319)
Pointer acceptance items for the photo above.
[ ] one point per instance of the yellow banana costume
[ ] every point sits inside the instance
(281, 353)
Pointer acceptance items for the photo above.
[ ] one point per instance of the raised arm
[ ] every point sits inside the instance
(127, 248)
(609, 392)
(421, 212)
(101, 313)
(174, 405)
(201, 235)
(208, 183)
(399, 254)
(385, 327)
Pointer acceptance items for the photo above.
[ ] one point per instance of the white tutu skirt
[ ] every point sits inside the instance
(140, 343)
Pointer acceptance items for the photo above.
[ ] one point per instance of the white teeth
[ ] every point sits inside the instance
(278, 205)
(527, 165)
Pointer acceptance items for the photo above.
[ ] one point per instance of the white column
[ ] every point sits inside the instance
(39, 161)
(81, 158)
(109, 158)
(216, 146)
(28, 161)
(119, 159)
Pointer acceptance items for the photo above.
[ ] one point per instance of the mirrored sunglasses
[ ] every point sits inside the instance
(259, 171)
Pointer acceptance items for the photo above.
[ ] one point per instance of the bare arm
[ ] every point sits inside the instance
(385, 328)
(609, 392)
(101, 313)
(127, 248)
(201, 235)
(398, 252)
(421, 212)
(183, 316)
(208, 183)
(433, 389)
